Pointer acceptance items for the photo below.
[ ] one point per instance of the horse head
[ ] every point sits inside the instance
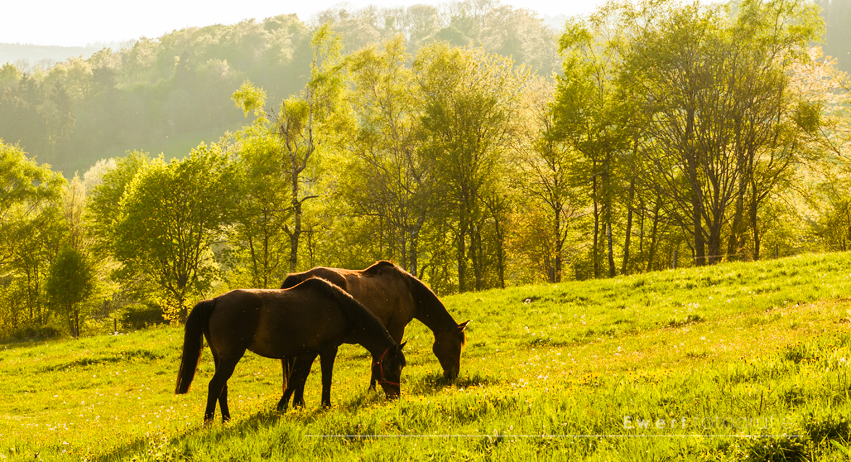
(387, 370)
(447, 347)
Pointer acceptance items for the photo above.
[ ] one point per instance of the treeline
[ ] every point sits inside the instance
(714, 132)
(177, 86)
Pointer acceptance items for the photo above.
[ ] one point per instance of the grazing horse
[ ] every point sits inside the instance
(312, 318)
(395, 297)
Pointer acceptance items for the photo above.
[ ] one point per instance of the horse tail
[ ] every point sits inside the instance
(193, 344)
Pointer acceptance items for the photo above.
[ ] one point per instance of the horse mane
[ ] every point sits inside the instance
(354, 311)
(293, 280)
(379, 267)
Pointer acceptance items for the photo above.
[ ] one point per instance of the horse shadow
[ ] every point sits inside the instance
(431, 384)
(177, 446)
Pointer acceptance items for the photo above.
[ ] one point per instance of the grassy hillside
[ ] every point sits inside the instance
(734, 362)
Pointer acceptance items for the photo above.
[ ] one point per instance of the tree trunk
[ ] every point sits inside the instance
(559, 247)
(462, 257)
(500, 254)
(628, 232)
(734, 245)
(295, 234)
(756, 236)
(610, 252)
(653, 236)
(595, 247)
(476, 255)
(699, 238)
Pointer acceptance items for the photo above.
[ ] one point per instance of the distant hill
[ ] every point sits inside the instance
(167, 94)
(27, 57)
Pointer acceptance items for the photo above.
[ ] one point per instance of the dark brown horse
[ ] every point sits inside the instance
(312, 318)
(395, 297)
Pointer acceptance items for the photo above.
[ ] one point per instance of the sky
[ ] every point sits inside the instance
(86, 22)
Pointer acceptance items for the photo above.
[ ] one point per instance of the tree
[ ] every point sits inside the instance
(386, 180)
(28, 188)
(69, 284)
(467, 100)
(713, 92)
(259, 216)
(775, 120)
(589, 116)
(171, 214)
(103, 207)
(30, 232)
(301, 123)
(547, 166)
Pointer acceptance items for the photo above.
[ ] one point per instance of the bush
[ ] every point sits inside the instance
(31, 333)
(139, 319)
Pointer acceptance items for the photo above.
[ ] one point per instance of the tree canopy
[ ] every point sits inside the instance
(672, 134)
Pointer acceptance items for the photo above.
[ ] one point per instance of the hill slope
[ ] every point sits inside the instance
(736, 361)
(34, 54)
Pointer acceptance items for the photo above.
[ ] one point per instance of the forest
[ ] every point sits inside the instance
(470, 144)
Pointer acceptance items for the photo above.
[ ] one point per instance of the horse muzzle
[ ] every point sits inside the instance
(392, 392)
(450, 374)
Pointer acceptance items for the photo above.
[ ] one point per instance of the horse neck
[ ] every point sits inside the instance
(370, 334)
(376, 346)
(430, 310)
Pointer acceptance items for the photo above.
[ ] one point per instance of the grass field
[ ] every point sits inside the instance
(742, 361)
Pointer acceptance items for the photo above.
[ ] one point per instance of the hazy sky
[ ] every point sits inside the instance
(82, 22)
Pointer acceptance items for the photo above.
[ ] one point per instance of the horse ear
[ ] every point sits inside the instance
(463, 325)
(402, 345)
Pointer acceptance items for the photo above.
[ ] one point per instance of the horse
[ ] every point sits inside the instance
(312, 318)
(395, 297)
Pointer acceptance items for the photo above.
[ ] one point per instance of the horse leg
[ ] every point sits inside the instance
(210, 410)
(326, 362)
(287, 366)
(298, 395)
(295, 383)
(217, 390)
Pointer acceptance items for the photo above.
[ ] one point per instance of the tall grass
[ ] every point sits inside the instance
(745, 361)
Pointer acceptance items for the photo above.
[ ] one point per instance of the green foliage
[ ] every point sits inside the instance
(709, 132)
(249, 98)
(30, 231)
(172, 86)
(170, 215)
(70, 282)
(381, 169)
(468, 98)
(260, 191)
(103, 207)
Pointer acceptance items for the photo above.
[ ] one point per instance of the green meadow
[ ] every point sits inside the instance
(739, 361)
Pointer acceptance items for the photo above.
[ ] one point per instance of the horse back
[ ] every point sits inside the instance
(385, 290)
(332, 275)
(275, 323)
